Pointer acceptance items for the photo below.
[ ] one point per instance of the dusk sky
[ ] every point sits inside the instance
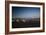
(25, 12)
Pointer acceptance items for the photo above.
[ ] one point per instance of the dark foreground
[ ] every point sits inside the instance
(28, 23)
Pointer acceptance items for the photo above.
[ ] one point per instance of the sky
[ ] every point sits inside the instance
(25, 12)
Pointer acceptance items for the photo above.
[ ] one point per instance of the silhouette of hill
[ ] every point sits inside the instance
(25, 22)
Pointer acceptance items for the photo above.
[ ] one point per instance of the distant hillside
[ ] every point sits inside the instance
(24, 22)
